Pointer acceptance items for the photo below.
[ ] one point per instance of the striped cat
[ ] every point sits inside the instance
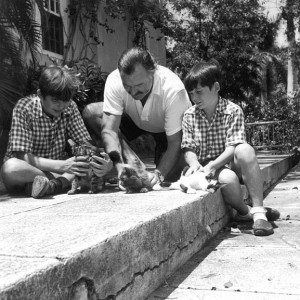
(89, 183)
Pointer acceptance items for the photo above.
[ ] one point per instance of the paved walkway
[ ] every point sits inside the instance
(122, 246)
(237, 265)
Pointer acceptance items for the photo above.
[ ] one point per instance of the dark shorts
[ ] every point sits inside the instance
(227, 166)
(131, 132)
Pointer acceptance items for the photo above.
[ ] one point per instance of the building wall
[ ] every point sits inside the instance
(105, 55)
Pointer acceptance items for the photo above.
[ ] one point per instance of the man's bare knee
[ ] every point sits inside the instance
(92, 111)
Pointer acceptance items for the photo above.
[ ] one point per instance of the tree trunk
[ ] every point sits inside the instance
(292, 81)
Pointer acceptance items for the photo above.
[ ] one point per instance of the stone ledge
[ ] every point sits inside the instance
(107, 246)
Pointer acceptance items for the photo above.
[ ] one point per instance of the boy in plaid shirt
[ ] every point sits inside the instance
(41, 124)
(214, 142)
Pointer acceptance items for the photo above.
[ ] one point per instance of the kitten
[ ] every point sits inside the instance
(133, 179)
(90, 183)
(190, 184)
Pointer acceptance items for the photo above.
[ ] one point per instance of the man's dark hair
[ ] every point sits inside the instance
(133, 56)
(59, 82)
(204, 73)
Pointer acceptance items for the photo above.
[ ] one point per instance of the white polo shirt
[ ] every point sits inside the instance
(164, 108)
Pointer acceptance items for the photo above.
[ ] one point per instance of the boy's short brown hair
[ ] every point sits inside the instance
(59, 82)
(203, 73)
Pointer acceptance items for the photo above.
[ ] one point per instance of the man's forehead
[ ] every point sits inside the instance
(139, 75)
(137, 69)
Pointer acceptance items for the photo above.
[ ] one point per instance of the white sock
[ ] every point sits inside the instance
(258, 212)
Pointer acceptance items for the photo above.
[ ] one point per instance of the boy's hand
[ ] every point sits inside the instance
(209, 169)
(193, 168)
(77, 165)
(101, 166)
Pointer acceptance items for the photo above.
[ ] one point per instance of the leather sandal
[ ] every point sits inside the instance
(262, 227)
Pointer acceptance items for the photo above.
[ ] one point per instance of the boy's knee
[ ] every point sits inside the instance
(10, 166)
(244, 152)
(228, 177)
(8, 171)
(92, 111)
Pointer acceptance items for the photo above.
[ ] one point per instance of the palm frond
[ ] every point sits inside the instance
(18, 15)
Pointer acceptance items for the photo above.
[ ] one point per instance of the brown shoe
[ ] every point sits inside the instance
(42, 186)
(262, 227)
(39, 186)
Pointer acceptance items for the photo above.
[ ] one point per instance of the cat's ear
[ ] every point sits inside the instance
(130, 171)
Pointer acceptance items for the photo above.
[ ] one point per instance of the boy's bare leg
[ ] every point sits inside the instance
(246, 166)
(16, 173)
(231, 191)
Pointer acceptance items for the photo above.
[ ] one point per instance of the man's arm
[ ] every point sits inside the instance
(168, 160)
(171, 156)
(109, 133)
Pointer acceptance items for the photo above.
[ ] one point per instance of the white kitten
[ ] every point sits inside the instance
(190, 184)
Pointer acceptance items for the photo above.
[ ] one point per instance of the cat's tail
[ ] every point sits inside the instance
(115, 157)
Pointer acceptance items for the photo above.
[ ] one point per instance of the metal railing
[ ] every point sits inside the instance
(271, 135)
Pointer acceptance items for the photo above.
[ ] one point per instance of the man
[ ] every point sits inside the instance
(142, 97)
(41, 124)
(214, 142)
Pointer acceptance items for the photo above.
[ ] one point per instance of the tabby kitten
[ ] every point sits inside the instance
(90, 183)
(133, 178)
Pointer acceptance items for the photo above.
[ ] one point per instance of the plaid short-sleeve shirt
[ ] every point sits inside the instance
(209, 140)
(32, 131)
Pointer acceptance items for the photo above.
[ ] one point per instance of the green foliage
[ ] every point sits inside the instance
(18, 31)
(138, 12)
(92, 81)
(236, 33)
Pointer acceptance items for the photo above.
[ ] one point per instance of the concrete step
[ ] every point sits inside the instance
(110, 245)
(238, 265)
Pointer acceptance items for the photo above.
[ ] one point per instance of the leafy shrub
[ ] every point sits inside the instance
(92, 82)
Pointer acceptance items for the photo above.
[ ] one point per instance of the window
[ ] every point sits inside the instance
(53, 27)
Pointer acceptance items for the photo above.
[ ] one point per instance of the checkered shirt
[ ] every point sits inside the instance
(209, 140)
(32, 131)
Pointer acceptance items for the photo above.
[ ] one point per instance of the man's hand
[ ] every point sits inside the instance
(77, 165)
(155, 177)
(101, 166)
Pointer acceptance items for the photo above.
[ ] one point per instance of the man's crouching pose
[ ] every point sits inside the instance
(214, 142)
